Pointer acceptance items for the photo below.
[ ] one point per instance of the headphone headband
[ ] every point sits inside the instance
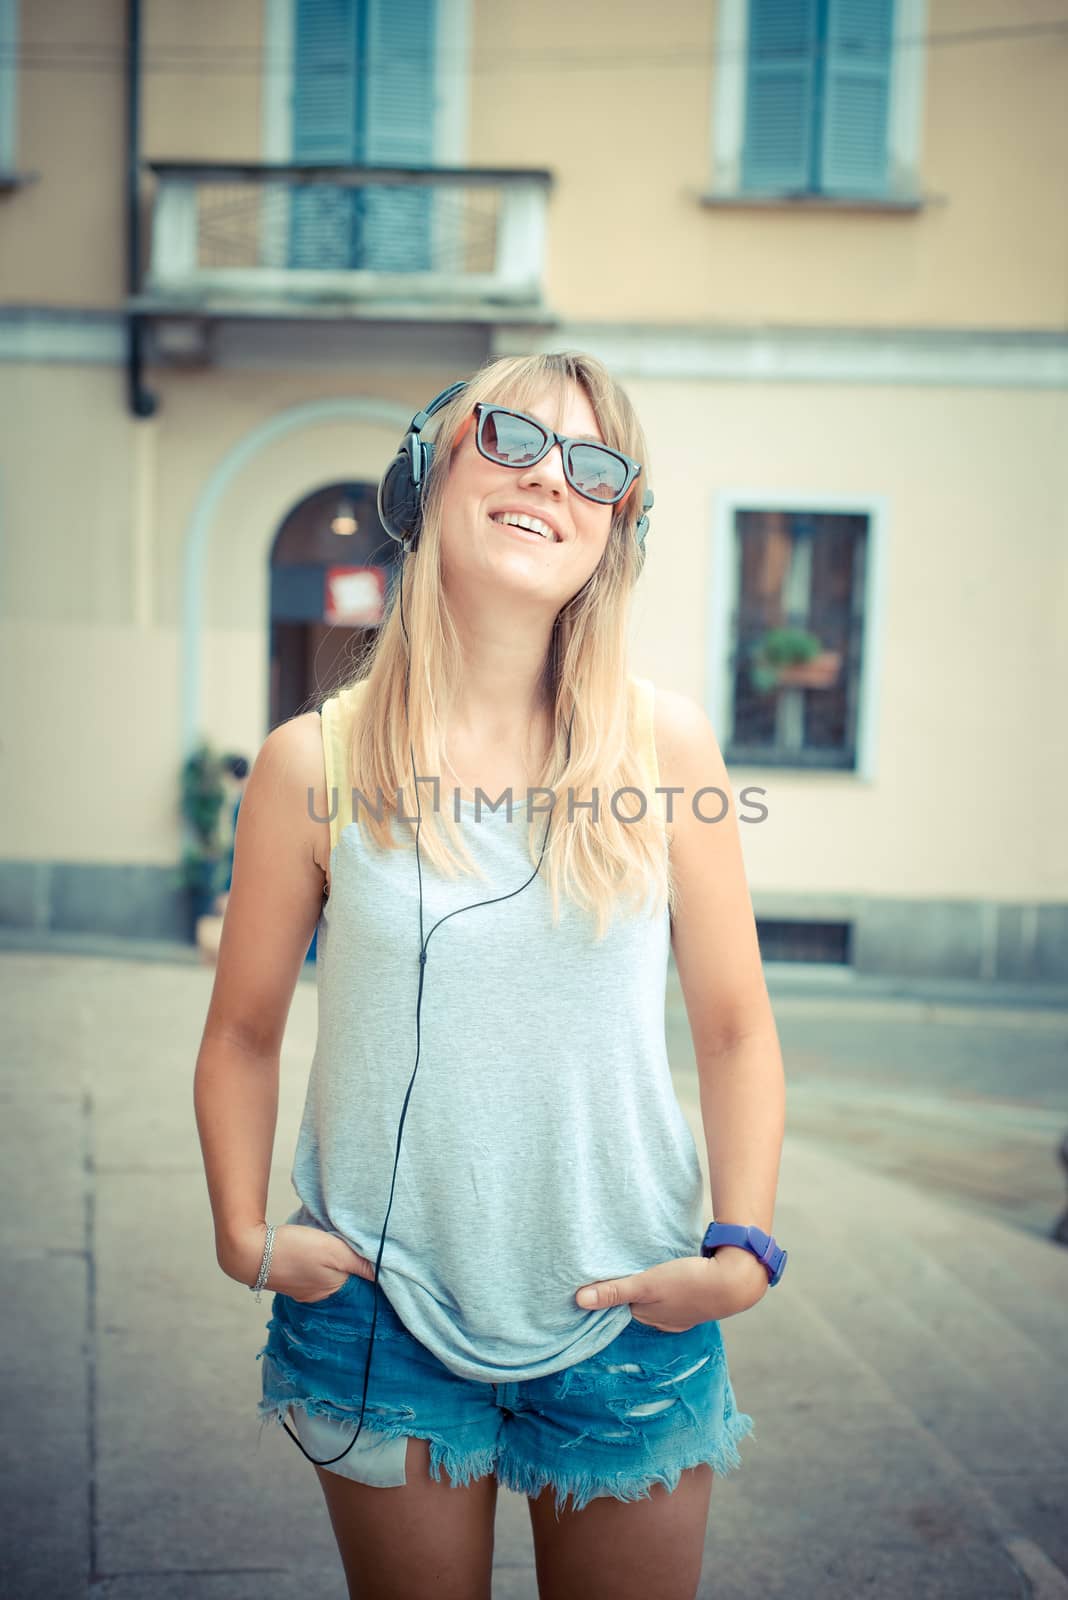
(421, 418)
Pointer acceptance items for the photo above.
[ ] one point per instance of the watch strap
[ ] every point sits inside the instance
(771, 1255)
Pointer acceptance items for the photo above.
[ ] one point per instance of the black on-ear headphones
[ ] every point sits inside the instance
(403, 485)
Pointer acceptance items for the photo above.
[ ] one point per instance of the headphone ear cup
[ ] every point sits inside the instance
(403, 484)
(642, 527)
(422, 457)
(426, 461)
(398, 494)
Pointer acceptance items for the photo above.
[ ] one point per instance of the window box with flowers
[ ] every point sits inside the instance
(792, 658)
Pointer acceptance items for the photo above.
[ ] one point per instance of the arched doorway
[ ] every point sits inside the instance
(332, 572)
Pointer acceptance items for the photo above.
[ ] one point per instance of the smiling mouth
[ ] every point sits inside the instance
(541, 531)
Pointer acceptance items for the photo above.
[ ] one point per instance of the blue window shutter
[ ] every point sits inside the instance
(397, 125)
(325, 105)
(856, 96)
(780, 91)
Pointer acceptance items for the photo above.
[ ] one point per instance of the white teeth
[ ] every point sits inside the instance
(532, 524)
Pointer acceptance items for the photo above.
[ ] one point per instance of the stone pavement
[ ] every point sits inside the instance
(907, 1379)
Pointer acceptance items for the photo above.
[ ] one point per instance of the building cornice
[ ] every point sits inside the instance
(953, 357)
(950, 357)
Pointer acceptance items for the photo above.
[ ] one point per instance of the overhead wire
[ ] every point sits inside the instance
(258, 59)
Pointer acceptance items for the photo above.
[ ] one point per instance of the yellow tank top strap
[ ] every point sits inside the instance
(338, 715)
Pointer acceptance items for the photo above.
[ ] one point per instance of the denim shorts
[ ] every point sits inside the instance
(640, 1411)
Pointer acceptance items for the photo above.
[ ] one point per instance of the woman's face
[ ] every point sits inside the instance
(480, 553)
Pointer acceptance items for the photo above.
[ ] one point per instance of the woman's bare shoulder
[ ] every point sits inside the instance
(296, 748)
(683, 735)
(294, 752)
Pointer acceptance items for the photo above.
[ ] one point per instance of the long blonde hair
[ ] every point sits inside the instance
(594, 864)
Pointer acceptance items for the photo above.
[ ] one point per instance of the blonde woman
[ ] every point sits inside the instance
(495, 1273)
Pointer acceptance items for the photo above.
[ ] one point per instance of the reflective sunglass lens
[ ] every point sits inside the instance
(512, 439)
(596, 473)
(516, 441)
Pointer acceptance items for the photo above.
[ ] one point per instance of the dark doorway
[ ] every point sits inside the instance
(332, 572)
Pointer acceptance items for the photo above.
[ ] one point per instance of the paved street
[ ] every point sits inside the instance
(906, 1380)
(962, 1100)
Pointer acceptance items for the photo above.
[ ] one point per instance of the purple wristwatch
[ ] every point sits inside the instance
(763, 1246)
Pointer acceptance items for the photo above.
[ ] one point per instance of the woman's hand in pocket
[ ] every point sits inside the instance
(674, 1296)
(307, 1263)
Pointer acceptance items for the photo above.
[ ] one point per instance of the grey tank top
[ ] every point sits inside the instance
(544, 1146)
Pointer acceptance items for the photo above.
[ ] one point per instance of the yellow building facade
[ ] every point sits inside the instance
(826, 253)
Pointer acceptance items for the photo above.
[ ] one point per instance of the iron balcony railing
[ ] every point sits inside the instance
(263, 235)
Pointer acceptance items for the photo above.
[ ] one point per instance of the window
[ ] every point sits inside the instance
(825, 942)
(9, 51)
(818, 100)
(818, 97)
(363, 92)
(796, 637)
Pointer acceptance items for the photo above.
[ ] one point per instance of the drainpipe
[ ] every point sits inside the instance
(142, 403)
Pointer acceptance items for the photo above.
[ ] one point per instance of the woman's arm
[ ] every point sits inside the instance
(275, 899)
(717, 954)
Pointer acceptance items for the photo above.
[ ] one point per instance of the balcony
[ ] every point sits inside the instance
(440, 243)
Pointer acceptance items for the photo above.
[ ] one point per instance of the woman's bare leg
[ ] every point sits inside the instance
(425, 1540)
(624, 1549)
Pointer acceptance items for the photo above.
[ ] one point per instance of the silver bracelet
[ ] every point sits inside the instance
(265, 1264)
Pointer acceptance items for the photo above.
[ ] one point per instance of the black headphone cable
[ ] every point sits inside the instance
(423, 943)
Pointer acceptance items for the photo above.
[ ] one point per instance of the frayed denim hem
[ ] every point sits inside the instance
(285, 1387)
(586, 1486)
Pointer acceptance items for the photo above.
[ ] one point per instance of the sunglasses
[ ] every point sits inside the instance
(514, 439)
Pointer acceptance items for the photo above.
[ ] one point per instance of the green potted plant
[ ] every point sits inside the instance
(790, 657)
(202, 868)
